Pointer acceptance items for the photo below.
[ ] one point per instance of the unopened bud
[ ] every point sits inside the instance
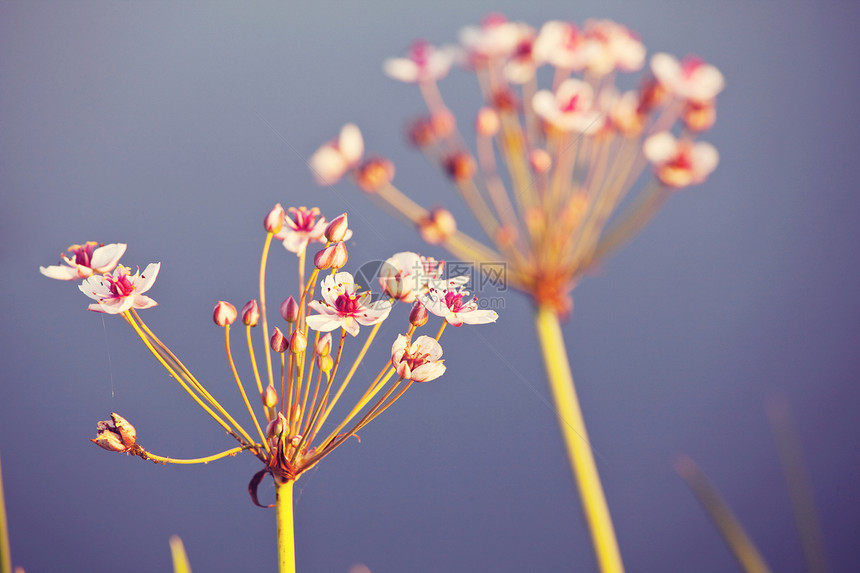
(290, 309)
(488, 122)
(438, 226)
(224, 313)
(250, 313)
(270, 397)
(336, 230)
(323, 347)
(295, 441)
(276, 427)
(278, 342)
(332, 256)
(375, 173)
(298, 341)
(460, 166)
(418, 315)
(420, 132)
(275, 219)
(540, 160)
(326, 363)
(699, 116)
(444, 123)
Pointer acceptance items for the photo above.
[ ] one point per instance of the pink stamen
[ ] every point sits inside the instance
(571, 105)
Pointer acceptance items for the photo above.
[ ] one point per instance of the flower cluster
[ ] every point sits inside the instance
(298, 398)
(551, 179)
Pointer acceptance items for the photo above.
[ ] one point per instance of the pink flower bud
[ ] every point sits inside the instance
(336, 230)
(270, 397)
(487, 123)
(224, 313)
(278, 342)
(276, 427)
(323, 347)
(332, 256)
(290, 309)
(275, 219)
(418, 315)
(460, 166)
(340, 255)
(251, 313)
(298, 341)
(438, 226)
(374, 174)
(540, 161)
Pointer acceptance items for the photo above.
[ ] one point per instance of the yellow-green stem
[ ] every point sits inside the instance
(284, 509)
(5, 551)
(572, 426)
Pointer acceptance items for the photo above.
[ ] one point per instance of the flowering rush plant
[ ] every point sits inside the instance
(303, 381)
(558, 179)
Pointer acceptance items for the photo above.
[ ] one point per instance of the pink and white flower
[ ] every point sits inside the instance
(302, 226)
(570, 108)
(690, 79)
(407, 275)
(494, 38)
(679, 163)
(452, 304)
(562, 45)
(341, 307)
(612, 46)
(118, 292)
(419, 361)
(85, 260)
(331, 161)
(423, 63)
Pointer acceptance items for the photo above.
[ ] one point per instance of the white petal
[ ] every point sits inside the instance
(105, 258)
(59, 272)
(478, 316)
(660, 147)
(398, 348)
(295, 242)
(351, 144)
(147, 278)
(665, 67)
(401, 69)
(705, 159)
(427, 372)
(429, 346)
(323, 322)
(545, 105)
(327, 165)
(143, 301)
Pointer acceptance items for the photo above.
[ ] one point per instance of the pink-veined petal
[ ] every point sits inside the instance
(428, 372)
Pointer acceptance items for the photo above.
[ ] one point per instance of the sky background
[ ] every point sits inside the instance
(175, 127)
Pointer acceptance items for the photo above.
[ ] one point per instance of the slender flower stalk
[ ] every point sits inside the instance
(556, 182)
(293, 418)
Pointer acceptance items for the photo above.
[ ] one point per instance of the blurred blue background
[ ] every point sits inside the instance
(175, 128)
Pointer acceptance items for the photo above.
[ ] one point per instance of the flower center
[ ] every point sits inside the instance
(82, 254)
(346, 304)
(416, 358)
(454, 301)
(690, 65)
(572, 105)
(120, 285)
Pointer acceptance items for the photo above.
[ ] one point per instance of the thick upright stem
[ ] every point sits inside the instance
(284, 509)
(576, 439)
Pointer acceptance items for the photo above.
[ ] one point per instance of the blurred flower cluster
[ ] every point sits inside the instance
(552, 178)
